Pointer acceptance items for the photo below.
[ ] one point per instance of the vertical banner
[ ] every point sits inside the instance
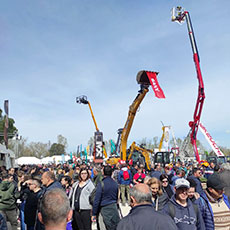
(6, 126)
(155, 85)
(98, 139)
(113, 147)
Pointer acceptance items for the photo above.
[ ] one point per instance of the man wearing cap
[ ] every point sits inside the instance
(217, 211)
(185, 214)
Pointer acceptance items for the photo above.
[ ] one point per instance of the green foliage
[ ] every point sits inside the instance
(35, 149)
(62, 140)
(11, 130)
(56, 149)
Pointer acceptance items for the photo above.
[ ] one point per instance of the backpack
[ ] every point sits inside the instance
(93, 193)
(172, 210)
(126, 175)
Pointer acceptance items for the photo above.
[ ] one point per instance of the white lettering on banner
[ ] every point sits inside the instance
(210, 140)
(99, 149)
(155, 86)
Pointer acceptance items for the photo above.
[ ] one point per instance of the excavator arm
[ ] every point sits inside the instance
(131, 115)
(145, 79)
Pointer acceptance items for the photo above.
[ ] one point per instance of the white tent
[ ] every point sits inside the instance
(28, 161)
(47, 160)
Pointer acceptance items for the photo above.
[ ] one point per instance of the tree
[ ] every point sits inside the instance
(18, 146)
(62, 140)
(155, 142)
(11, 129)
(22, 148)
(56, 149)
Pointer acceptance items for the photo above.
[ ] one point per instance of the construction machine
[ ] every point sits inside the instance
(180, 15)
(144, 79)
(165, 157)
(99, 148)
(141, 154)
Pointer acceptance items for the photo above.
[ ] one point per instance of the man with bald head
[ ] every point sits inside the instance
(142, 214)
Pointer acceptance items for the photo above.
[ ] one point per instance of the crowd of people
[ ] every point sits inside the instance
(73, 196)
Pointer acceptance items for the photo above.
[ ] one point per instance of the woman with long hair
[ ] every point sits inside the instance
(158, 197)
(79, 197)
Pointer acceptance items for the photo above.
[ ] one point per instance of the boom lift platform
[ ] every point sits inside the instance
(99, 148)
(180, 15)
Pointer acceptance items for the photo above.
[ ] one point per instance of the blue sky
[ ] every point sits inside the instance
(52, 51)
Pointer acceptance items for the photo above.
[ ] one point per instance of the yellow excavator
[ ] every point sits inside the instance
(123, 134)
(140, 150)
(83, 100)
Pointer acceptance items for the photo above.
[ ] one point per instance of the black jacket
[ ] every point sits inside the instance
(31, 206)
(144, 217)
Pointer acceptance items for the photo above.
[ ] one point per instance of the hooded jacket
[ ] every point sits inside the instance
(8, 195)
(185, 217)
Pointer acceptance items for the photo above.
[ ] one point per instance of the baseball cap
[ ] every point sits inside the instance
(179, 183)
(215, 182)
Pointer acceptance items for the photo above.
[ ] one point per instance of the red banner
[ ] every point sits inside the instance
(155, 85)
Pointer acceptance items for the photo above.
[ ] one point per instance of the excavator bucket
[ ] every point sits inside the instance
(146, 78)
(142, 78)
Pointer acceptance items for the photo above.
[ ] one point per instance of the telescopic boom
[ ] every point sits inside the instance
(179, 15)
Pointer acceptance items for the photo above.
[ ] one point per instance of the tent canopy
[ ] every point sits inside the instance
(28, 160)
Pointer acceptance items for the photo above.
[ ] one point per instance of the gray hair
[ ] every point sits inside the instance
(55, 206)
(140, 196)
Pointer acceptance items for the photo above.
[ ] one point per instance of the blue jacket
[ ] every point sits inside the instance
(53, 185)
(185, 217)
(208, 213)
(144, 217)
(121, 178)
(109, 195)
